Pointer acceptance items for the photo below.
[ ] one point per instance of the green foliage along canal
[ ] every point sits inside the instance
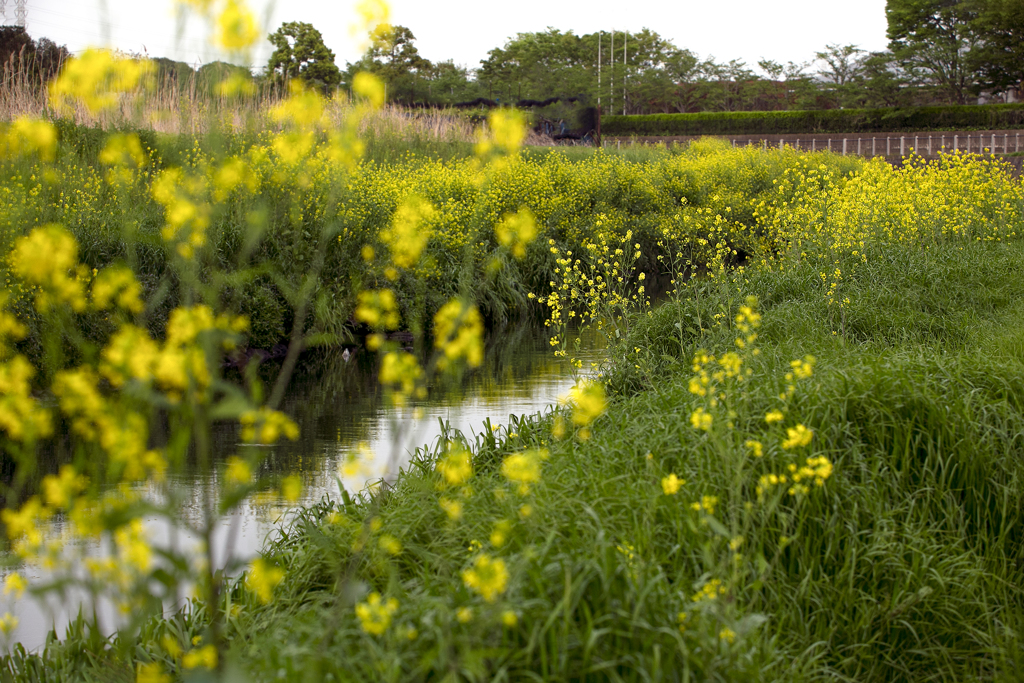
(351, 435)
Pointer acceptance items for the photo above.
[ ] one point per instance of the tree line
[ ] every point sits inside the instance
(939, 52)
(33, 60)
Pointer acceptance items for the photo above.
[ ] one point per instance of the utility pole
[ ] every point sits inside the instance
(598, 68)
(625, 49)
(611, 76)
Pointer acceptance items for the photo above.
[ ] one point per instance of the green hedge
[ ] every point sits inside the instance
(988, 116)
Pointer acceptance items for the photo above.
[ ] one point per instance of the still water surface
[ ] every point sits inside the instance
(342, 411)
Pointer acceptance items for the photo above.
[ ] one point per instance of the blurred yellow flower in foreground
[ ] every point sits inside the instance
(488, 576)
(236, 27)
(96, 78)
(671, 484)
(262, 578)
(588, 402)
(375, 614)
(458, 333)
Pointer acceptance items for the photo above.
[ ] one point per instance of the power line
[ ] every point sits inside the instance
(70, 17)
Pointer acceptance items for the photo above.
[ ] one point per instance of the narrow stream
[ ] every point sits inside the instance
(342, 411)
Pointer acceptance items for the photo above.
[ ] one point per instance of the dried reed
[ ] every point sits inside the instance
(190, 107)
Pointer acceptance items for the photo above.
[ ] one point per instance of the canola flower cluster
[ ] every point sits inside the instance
(830, 221)
(582, 225)
(107, 404)
(488, 576)
(766, 457)
(595, 288)
(108, 387)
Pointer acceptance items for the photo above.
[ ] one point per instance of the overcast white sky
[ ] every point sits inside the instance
(464, 30)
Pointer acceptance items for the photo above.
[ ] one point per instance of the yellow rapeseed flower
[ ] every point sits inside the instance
(59, 490)
(458, 333)
(96, 78)
(701, 419)
(516, 231)
(236, 27)
(262, 578)
(48, 258)
(402, 370)
(711, 590)
(488, 577)
(370, 87)
(456, 467)
(409, 231)
(123, 149)
(8, 622)
(237, 471)
(291, 488)
(266, 426)
(205, 657)
(375, 614)
(377, 309)
(372, 13)
(389, 544)
(27, 135)
(500, 533)
(152, 672)
(671, 484)
(133, 549)
(506, 130)
(21, 416)
(707, 504)
(523, 469)
(797, 436)
(14, 583)
(452, 508)
(117, 284)
(588, 402)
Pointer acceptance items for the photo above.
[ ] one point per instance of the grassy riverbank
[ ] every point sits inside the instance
(266, 221)
(804, 464)
(904, 564)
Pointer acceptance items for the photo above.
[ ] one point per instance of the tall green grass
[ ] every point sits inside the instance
(908, 565)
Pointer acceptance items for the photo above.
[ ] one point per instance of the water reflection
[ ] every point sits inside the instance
(341, 409)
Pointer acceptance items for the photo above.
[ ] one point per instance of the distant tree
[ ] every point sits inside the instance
(839, 70)
(393, 50)
(730, 86)
(37, 59)
(172, 73)
(14, 41)
(650, 70)
(212, 74)
(394, 58)
(999, 57)
(300, 53)
(684, 70)
(883, 82)
(936, 38)
(798, 89)
(651, 73)
(448, 83)
(541, 65)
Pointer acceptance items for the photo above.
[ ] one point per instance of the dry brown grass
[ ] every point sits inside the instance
(190, 108)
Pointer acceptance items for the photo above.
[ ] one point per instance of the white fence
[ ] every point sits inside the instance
(896, 145)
